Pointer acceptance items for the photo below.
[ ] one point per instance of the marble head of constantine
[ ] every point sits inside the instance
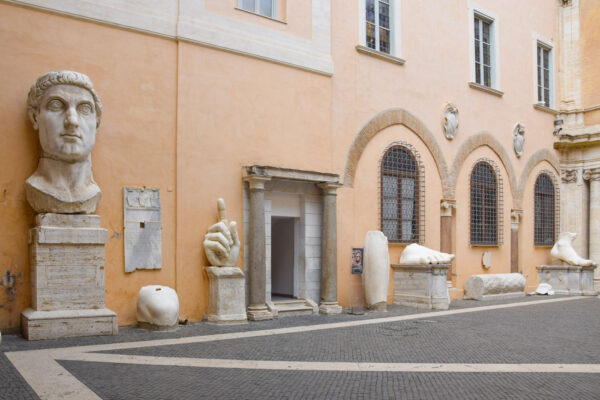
(65, 110)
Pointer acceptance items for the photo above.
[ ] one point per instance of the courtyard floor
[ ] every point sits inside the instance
(531, 348)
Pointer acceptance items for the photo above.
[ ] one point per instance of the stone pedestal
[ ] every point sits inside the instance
(67, 279)
(421, 285)
(568, 279)
(227, 302)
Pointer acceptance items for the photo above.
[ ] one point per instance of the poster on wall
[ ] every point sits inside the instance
(357, 260)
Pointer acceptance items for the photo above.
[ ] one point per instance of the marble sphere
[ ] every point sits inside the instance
(65, 110)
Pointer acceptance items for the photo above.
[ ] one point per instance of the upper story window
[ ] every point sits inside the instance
(402, 195)
(378, 26)
(544, 74)
(484, 46)
(545, 211)
(266, 8)
(486, 205)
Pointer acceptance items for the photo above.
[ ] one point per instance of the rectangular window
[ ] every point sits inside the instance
(266, 8)
(543, 75)
(482, 35)
(378, 25)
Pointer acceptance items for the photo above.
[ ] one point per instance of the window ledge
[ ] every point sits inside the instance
(486, 89)
(260, 15)
(543, 108)
(379, 54)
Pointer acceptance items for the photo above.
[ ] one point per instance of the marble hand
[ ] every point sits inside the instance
(221, 243)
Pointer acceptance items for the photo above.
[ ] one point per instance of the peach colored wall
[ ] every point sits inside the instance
(186, 118)
(135, 77)
(590, 54)
(294, 16)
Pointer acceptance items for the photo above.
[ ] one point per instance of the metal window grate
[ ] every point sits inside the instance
(402, 194)
(546, 210)
(486, 204)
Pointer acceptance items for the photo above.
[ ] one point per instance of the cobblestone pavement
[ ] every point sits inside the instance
(308, 357)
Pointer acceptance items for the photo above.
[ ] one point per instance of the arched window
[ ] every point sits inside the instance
(545, 211)
(486, 205)
(401, 195)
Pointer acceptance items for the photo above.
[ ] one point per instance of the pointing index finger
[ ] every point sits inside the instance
(221, 209)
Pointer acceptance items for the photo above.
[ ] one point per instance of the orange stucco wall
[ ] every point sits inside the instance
(185, 118)
(589, 15)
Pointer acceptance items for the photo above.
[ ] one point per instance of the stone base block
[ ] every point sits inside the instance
(259, 314)
(227, 300)
(330, 308)
(421, 286)
(571, 280)
(40, 325)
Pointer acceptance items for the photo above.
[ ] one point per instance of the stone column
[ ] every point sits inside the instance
(446, 206)
(329, 303)
(573, 208)
(593, 175)
(257, 310)
(515, 218)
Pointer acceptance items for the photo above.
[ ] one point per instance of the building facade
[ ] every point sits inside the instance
(316, 122)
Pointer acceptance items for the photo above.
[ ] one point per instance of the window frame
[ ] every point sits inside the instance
(395, 28)
(256, 9)
(419, 194)
(539, 41)
(499, 188)
(554, 212)
(493, 20)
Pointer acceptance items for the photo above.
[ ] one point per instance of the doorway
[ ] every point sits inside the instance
(283, 256)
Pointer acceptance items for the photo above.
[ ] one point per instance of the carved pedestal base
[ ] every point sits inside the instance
(67, 279)
(421, 285)
(227, 303)
(260, 313)
(330, 308)
(568, 279)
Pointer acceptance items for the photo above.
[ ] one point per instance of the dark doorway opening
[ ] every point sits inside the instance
(282, 256)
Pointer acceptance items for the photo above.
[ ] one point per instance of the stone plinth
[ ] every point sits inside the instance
(421, 285)
(227, 302)
(495, 286)
(67, 279)
(570, 280)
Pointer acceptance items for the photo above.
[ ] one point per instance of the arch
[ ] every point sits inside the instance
(393, 116)
(475, 141)
(536, 158)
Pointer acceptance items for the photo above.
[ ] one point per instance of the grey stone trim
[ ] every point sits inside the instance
(381, 121)
(378, 54)
(289, 174)
(486, 89)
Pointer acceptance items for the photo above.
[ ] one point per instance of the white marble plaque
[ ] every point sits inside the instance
(143, 229)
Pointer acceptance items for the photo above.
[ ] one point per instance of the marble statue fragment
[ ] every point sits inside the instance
(494, 286)
(65, 110)
(519, 139)
(376, 270)
(157, 307)
(564, 251)
(416, 254)
(544, 288)
(450, 120)
(221, 243)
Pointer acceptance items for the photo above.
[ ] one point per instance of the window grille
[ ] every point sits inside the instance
(402, 194)
(378, 25)
(486, 204)
(546, 210)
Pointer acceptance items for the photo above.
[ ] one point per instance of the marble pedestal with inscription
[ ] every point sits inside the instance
(227, 301)
(570, 280)
(67, 264)
(421, 286)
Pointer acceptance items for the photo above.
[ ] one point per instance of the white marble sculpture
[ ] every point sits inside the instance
(544, 288)
(494, 286)
(519, 139)
(450, 120)
(417, 254)
(221, 243)
(65, 109)
(157, 307)
(564, 251)
(376, 270)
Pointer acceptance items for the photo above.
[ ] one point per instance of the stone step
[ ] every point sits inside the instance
(289, 308)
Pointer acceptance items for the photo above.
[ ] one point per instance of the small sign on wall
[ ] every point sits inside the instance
(357, 260)
(143, 229)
